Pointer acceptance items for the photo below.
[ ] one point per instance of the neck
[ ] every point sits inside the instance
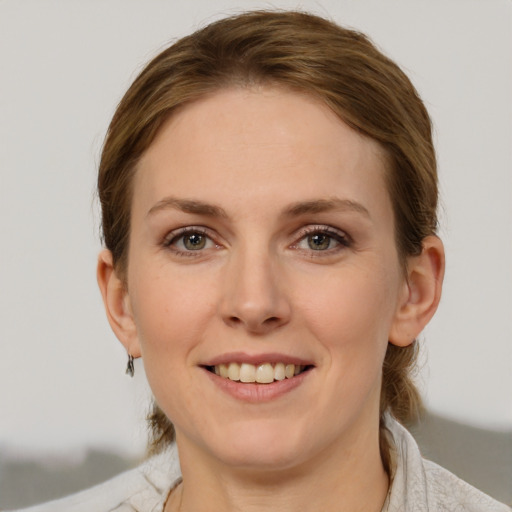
(339, 480)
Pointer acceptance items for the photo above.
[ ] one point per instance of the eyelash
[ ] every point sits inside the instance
(341, 238)
(175, 236)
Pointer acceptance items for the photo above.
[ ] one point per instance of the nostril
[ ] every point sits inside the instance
(255, 324)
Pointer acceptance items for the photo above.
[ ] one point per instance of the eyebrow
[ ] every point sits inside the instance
(188, 206)
(325, 205)
(295, 210)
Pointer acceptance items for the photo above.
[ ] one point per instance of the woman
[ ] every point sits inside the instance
(268, 189)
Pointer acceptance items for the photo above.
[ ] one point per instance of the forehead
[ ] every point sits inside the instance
(243, 144)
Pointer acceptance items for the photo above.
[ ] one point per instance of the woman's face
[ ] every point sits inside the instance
(262, 237)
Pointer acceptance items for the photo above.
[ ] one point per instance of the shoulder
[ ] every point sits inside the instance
(143, 489)
(420, 485)
(452, 493)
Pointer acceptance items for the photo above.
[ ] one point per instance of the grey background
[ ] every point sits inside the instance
(65, 65)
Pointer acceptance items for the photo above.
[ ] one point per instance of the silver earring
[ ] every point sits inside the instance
(130, 369)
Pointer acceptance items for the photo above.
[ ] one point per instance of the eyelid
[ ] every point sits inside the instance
(342, 238)
(172, 237)
(325, 229)
(176, 233)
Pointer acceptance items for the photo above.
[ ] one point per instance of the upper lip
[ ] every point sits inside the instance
(256, 359)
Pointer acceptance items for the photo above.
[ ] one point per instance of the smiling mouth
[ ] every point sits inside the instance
(265, 373)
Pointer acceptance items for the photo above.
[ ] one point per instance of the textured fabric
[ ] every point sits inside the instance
(143, 489)
(418, 486)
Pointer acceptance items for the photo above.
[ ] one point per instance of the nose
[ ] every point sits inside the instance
(253, 296)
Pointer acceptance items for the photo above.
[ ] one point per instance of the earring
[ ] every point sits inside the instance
(130, 369)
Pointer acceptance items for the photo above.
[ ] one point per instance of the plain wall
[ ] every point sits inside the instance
(65, 65)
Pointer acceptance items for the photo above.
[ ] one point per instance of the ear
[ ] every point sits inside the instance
(117, 303)
(421, 294)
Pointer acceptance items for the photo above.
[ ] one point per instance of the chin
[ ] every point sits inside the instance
(261, 447)
(258, 458)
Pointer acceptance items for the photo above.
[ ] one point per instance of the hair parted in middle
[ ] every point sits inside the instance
(305, 53)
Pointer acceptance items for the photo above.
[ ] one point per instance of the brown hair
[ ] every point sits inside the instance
(305, 53)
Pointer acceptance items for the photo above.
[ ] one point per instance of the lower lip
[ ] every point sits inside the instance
(257, 393)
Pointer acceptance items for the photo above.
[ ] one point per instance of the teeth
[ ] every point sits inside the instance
(247, 373)
(265, 374)
(223, 369)
(234, 371)
(279, 373)
(262, 374)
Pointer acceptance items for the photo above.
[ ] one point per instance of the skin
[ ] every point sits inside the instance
(275, 168)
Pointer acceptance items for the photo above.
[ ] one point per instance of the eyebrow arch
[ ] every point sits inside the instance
(295, 210)
(324, 205)
(188, 206)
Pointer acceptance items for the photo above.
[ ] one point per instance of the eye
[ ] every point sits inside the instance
(194, 241)
(322, 239)
(319, 241)
(188, 240)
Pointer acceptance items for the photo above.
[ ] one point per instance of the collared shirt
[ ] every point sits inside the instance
(418, 486)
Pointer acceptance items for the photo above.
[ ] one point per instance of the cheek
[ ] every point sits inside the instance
(171, 317)
(351, 318)
(352, 306)
(170, 313)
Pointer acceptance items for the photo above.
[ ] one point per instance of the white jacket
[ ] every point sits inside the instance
(418, 486)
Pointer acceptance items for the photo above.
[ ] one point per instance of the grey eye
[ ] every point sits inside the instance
(194, 241)
(319, 241)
